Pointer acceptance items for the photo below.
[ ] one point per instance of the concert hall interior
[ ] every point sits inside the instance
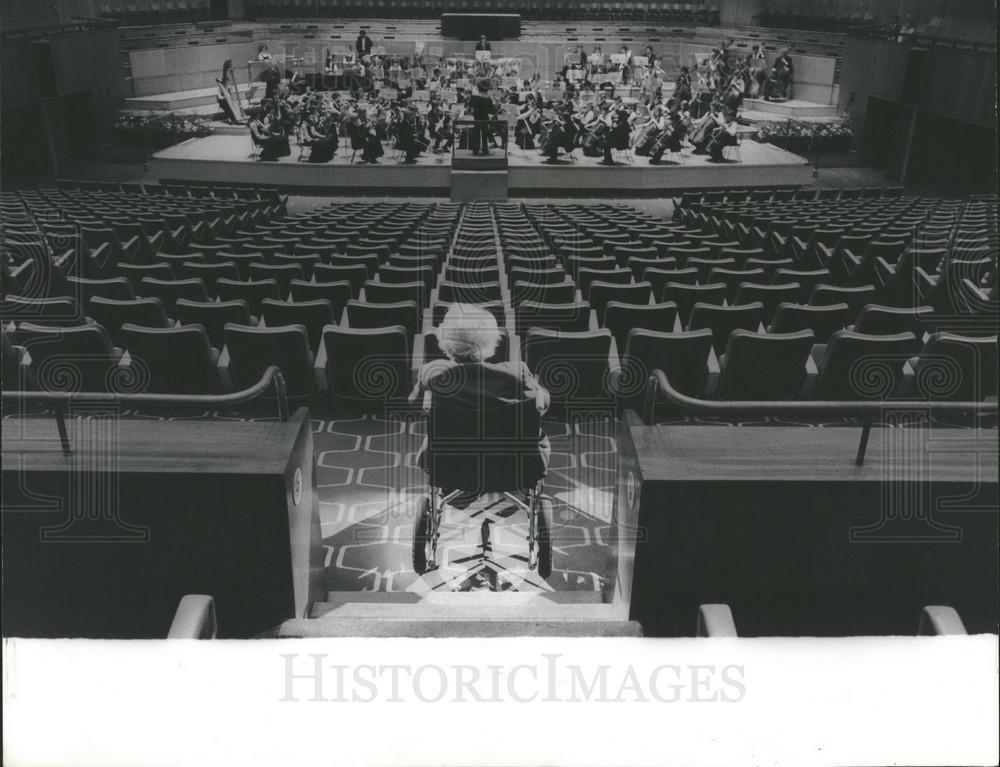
(438, 319)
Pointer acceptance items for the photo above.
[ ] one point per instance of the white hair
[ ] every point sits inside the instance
(468, 333)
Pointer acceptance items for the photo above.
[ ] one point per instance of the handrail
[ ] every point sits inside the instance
(867, 409)
(272, 376)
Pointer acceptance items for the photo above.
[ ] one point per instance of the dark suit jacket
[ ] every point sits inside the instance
(363, 45)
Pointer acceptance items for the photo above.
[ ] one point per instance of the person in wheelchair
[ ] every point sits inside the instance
(469, 336)
(483, 433)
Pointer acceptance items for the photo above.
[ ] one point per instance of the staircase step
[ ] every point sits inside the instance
(484, 606)
(329, 627)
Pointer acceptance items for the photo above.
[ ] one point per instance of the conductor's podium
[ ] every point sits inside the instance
(103, 542)
(779, 523)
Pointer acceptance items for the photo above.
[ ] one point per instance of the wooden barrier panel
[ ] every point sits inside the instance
(103, 542)
(469, 26)
(781, 525)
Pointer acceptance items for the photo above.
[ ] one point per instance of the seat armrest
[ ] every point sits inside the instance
(319, 367)
(592, 323)
(716, 622)
(225, 377)
(940, 620)
(194, 618)
(514, 345)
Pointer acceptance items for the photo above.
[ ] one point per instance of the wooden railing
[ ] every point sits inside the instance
(60, 401)
(867, 410)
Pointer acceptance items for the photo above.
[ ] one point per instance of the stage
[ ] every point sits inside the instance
(229, 159)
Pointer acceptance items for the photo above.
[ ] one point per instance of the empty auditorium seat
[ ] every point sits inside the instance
(213, 316)
(72, 359)
(853, 366)
(177, 360)
(112, 313)
(405, 314)
(887, 320)
(823, 321)
(953, 367)
(763, 366)
(253, 292)
(620, 317)
(722, 320)
(367, 367)
(169, 291)
(312, 315)
(768, 295)
(571, 316)
(546, 293)
(111, 287)
(61, 312)
(683, 357)
(573, 366)
(250, 351)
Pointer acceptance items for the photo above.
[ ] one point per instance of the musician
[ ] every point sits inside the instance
(411, 134)
(263, 54)
(366, 134)
(363, 45)
(529, 123)
(780, 84)
(320, 130)
(481, 107)
(229, 98)
(483, 44)
(597, 61)
(682, 90)
(625, 68)
(273, 144)
(297, 83)
(670, 138)
(618, 135)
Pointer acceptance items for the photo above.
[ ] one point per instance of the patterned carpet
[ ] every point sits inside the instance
(370, 492)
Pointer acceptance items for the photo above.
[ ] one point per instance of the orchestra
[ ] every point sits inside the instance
(418, 104)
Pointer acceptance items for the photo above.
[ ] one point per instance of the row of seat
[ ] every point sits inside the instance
(607, 307)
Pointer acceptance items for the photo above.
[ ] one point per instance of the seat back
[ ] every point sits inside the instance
(573, 366)
(621, 317)
(213, 316)
(483, 450)
(543, 293)
(764, 366)
(369, 315)
(855, 366)
(855, 297)
(686, 296)
(169, 291)
(251, 291)
(253, 349)
(571, 316)
(956, 368)
(174, 360)
(723, 320)
(823, 321)
(875, 320)
(312, 315)
(683, 357)
(73, 359)
(111, 314)
(368, 365)
(602, 292)
(58, 312)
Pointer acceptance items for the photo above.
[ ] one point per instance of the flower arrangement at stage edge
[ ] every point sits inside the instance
(157, 130)
(807, 137)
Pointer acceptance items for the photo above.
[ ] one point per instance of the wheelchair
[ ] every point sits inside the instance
(474, 452)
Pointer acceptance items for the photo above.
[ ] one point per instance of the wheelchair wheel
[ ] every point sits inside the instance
(420, 538)
(544, 539)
